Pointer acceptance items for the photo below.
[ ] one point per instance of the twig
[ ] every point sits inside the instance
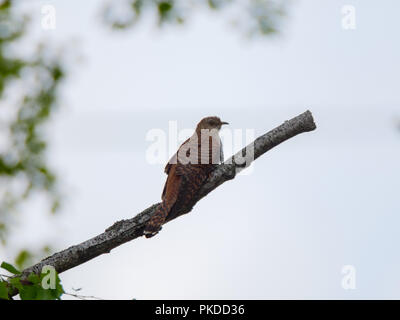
(81, 297)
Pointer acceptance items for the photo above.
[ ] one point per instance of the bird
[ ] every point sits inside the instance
(187, 170)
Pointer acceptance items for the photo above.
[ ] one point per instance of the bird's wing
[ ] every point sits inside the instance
(169, 198)
(174, 159)
(172, 187)
(170, 163)
(173, 169)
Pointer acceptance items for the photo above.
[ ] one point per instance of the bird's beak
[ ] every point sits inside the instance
(223, 122)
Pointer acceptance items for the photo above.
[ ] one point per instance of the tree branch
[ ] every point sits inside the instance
(127, 230)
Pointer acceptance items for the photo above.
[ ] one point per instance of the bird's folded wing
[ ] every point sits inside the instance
(174, 159)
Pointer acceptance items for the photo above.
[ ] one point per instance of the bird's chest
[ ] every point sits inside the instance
(203, 150)
(209, 149)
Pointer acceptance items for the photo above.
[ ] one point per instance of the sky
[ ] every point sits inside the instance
(318, 202)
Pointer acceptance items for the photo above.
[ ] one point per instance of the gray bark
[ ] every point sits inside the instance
(127, 230)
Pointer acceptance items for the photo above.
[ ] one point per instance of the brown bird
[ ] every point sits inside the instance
(187, 170)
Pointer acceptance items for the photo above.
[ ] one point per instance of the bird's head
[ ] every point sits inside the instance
(210, 123)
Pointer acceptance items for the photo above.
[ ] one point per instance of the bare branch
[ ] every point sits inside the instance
(127, 230)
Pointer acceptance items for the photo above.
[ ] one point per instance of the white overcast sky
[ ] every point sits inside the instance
(312, 205)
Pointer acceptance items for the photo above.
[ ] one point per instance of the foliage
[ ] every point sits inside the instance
(30, 287)
(34, 80)
(253, 17)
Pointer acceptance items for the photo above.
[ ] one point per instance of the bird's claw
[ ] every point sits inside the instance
(150, 233)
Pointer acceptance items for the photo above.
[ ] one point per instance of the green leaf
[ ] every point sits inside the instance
(16, 283)
(164, 8)
(28, 292)
(9, 268)
(34, 278)
(53, 293)
(5, 4)
(43, 294)
(31, 288)
(23, 258)
(3, 290)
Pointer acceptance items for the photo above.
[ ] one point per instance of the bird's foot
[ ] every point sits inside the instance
(151, 233)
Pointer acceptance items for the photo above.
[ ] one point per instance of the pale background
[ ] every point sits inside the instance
(314, 204)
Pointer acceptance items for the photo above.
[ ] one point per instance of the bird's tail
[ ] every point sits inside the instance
(153, 226)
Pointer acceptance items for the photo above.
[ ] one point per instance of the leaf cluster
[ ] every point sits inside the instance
(253, 17)
(34, 80)
(30, 287)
